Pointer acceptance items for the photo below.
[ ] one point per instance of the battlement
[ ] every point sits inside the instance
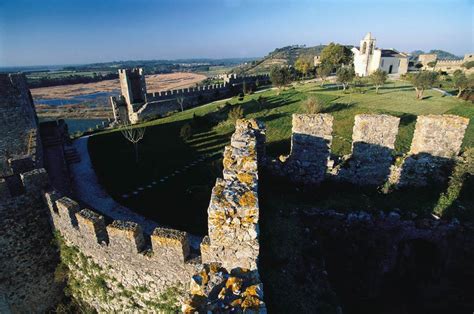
(436, 141)
(135, 104)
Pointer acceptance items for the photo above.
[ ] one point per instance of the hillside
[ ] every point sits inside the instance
(280, 56)
(441, 54)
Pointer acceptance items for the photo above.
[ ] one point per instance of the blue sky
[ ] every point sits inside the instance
(38, 32)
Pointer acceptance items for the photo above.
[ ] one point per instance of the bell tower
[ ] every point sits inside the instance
(367, 45)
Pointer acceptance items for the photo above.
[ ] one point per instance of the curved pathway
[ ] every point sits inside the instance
(88, 190)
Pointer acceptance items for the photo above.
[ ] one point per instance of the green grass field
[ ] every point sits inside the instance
(186, 194)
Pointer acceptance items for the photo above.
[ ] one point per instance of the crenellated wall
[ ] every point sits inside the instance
(436, 143)
(135, 104)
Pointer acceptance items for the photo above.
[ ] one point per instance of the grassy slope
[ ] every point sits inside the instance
(187, 194)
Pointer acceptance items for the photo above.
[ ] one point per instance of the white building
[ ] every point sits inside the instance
(368, 58)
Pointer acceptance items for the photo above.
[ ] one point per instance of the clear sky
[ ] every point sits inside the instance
(40, 32)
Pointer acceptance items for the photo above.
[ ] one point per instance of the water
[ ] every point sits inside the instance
(76, 99)
(80, 124)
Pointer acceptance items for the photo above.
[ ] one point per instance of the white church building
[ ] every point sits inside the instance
(368, 58)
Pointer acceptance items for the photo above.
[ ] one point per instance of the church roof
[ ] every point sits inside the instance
(391, 53)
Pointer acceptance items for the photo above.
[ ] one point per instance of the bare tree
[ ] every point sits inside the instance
(133, 135)
(180, 101)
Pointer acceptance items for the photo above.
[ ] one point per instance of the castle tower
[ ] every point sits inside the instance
(132, 85)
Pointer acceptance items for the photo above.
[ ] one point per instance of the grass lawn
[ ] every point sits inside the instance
(181, 199)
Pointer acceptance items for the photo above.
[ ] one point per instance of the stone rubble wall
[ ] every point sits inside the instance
(373, 142)
(436, 144)
(233, 211)
(311, 141)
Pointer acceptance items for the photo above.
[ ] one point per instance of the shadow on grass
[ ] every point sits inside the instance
(334, 107)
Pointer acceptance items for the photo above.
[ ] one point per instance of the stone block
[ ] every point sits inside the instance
(67, 209)
(170, 244)
(439, 135)
(125, 236)
(91, 225)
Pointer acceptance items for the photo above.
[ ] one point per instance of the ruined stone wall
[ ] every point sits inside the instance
(310, 149)
(436, 143)
(373, 142)
(18, 118)
(233, 211)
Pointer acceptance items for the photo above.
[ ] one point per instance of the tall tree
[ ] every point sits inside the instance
(378, 78)
(133, 135)
(324, 70)
(303, 64)
(345, 75)
(423, 80)
(336, 55)
(280, 76)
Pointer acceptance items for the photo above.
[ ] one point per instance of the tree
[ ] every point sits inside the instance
(133, 135)
(378, 78)
(432, 64)
(312, 105)
(462, 82)
(345, 75)
(180, 101)
(280, 76)
(303, 65)
(423, 80)
(324, 70)
(336, 55)
(468, 64)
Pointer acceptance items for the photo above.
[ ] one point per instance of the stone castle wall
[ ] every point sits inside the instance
(18, 117)
(27, 256)
(135, 104)
(436, 143)
(128, 260)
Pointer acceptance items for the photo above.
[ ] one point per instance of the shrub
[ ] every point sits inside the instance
(235, 114)
(462, 169)
(186, 131)
(312, 105)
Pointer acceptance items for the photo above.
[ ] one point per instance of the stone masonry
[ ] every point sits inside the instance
(373, 141)
(310, 149)
(436, 141)
(436, 144)
(233, 210)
